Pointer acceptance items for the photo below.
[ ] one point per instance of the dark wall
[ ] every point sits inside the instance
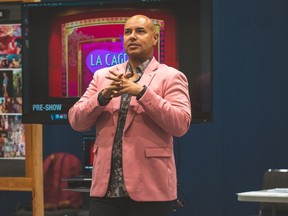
(250, 57)
(249, 131)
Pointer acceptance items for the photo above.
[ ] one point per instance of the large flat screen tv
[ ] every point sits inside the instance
(64, 43)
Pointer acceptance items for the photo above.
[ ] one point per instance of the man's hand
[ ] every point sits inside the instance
(121, 84)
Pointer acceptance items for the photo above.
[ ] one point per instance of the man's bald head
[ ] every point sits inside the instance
(143, 19)
(140, 38)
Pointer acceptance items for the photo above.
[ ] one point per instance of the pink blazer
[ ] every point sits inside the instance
(162, 112)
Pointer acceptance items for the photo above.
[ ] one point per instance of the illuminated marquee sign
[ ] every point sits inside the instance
(98, 59)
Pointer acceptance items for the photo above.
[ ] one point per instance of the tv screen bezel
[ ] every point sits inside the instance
(206, 15)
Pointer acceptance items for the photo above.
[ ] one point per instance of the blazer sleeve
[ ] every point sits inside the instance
(84, 113)
(169, 107)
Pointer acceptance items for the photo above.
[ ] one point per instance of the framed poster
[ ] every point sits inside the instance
(12, 138)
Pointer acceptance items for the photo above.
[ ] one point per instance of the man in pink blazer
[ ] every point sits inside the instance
(137, 107)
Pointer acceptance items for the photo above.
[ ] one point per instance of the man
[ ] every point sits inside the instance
(137, 107)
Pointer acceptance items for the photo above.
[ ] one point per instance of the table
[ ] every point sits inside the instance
(275, 195)
(82, 190)
(78, 184)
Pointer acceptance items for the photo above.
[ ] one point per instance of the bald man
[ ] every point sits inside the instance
(137, 107)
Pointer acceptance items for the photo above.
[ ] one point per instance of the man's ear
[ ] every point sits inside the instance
(155, 38)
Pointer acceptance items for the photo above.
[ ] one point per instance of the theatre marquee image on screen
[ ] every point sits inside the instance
(65, 43)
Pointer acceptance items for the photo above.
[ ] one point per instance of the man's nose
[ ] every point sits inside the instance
(132, 35)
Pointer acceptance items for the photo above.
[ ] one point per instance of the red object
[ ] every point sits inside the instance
(56, 167)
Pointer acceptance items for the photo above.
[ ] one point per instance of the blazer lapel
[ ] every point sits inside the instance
(146, 79)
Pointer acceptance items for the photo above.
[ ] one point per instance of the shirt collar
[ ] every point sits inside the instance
(139, 69)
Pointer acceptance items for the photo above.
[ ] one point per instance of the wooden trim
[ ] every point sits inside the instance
(37, 158)
(16, 184)
(31, 0)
